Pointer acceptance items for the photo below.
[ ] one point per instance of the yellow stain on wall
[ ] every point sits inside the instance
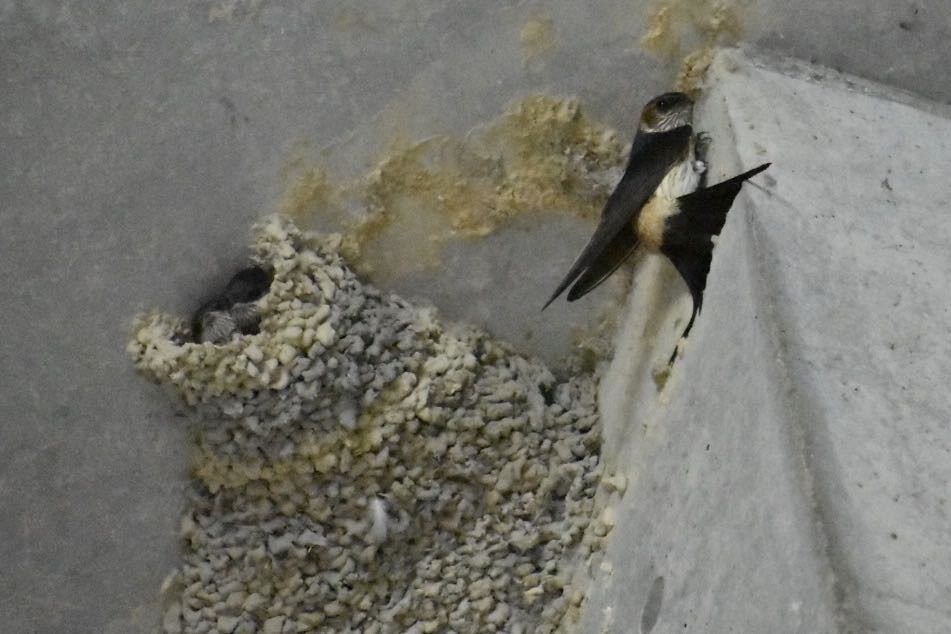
(537, 37)
(543, 156)
(690, 30)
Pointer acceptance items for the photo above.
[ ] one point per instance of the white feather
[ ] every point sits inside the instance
(683, 178)
(379, 522)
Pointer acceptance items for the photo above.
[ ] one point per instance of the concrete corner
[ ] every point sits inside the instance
(792, 474)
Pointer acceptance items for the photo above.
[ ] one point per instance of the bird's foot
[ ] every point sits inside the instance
(701, 144)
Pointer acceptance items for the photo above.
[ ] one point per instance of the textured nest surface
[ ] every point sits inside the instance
(362, 467)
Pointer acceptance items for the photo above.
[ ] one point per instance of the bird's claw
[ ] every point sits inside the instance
(701, 144)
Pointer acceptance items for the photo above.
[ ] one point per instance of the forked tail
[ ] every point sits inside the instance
(688, 235)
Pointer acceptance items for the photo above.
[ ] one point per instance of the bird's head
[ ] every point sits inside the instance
(666, 112)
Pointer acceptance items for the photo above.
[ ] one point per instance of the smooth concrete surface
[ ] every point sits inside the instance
(793, 475)
(139, 142)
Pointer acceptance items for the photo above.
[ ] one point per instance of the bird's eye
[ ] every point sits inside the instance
(663, 104)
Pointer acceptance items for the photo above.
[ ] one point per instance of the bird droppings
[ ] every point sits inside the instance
(361, 466)
(615, 482)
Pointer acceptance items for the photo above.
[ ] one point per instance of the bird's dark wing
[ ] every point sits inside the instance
(652, 156)
(613, 256)
(703, 212)
(688, 234)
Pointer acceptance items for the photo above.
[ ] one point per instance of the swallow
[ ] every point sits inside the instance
(659, 205)
(233, 310)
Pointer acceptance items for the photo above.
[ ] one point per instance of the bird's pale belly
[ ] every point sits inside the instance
(650, 222)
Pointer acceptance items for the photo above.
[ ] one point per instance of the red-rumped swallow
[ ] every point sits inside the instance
(658, 205)
(234, 310)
